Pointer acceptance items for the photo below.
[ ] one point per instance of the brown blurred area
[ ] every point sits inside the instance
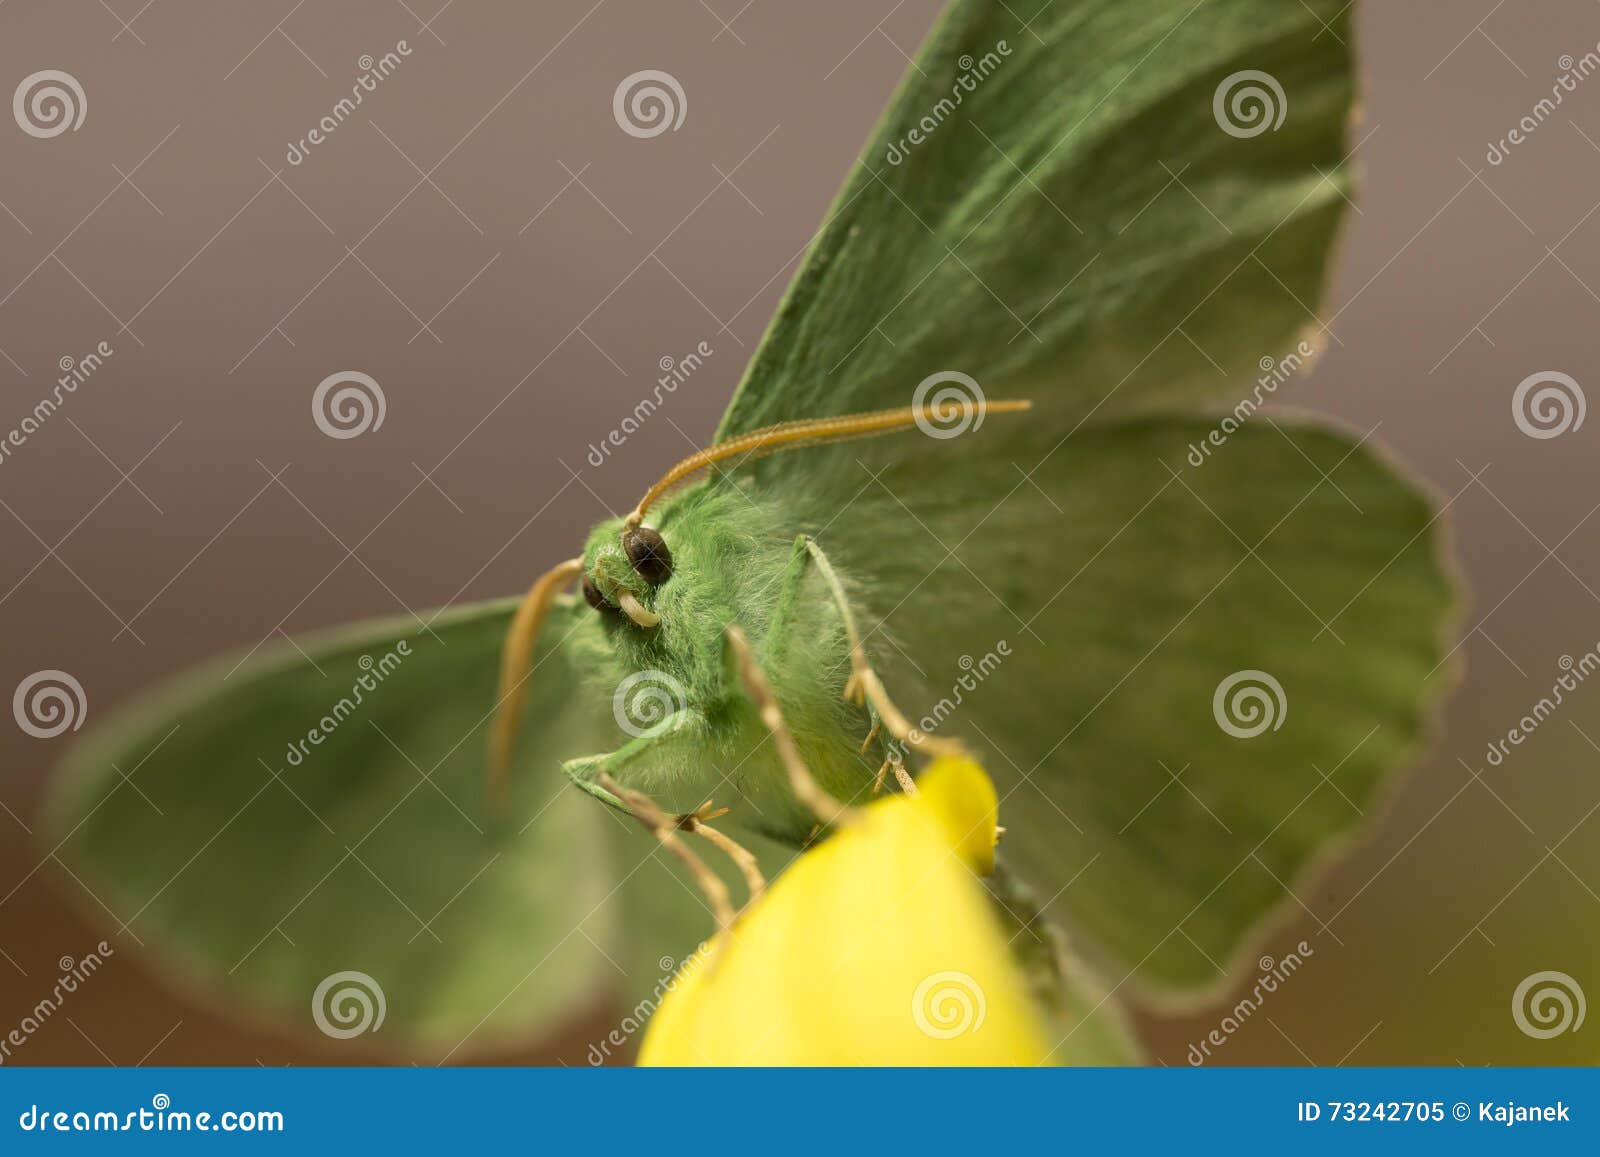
(483, 240)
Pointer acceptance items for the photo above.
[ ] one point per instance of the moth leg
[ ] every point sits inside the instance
(588, 770)
(864, 686)
(783, 613)
(892, 760)
(804, 556)
(695, 823)
(594, 774)
(665, 828)
(806, 789)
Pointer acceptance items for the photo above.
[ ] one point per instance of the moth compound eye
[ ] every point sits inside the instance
(647, 552)
(592, 596)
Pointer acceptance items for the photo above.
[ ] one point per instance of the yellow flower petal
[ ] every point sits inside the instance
(877, 947)
(961, 798)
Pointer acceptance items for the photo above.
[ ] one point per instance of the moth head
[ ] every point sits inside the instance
(623, 566)
(626, 560)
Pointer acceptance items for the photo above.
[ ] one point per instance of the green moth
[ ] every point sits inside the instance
(1192, 643)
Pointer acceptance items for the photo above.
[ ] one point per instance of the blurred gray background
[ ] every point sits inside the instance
(483, 240)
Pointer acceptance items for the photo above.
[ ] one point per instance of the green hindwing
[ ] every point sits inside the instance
(1189, 682)
(257, 861)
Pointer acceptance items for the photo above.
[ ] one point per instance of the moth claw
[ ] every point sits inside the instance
(687, 821)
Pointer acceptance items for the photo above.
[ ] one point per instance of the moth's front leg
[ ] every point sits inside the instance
(685, 727)
(805, 557)
(864, 686)
(600, 776)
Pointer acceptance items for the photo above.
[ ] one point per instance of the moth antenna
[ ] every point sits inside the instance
(803, 432)
(516, 657)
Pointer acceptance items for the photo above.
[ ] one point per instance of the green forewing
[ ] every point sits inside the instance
(1080, 222)
(258, 878)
